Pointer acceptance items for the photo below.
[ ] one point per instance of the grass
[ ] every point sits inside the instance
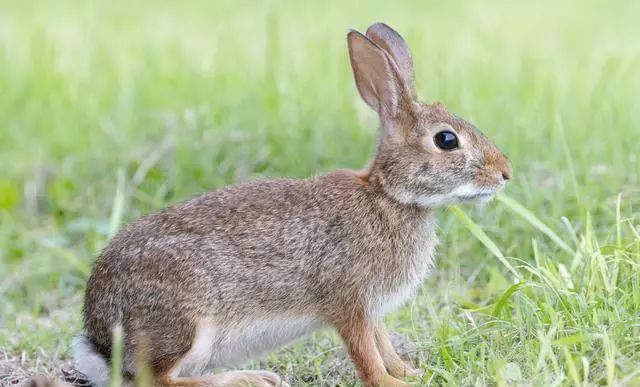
(109, 110)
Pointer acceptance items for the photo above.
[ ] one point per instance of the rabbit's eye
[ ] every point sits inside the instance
(446, 140)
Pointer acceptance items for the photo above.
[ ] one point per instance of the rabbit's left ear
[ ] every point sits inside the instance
(390, 41)
(377, 77)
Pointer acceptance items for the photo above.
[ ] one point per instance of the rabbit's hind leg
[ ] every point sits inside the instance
(227, 379)
(396, 367)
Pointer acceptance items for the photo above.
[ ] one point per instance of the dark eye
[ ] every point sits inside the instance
(446, 140)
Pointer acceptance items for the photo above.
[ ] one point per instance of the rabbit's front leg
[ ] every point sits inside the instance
(359, 336)
(393, 363)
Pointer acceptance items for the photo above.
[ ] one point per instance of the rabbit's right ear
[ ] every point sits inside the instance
(390, 40)
(377, 77)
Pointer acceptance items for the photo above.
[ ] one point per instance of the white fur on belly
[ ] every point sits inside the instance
(216, 346)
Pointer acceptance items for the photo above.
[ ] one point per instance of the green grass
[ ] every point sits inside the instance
(109, 110)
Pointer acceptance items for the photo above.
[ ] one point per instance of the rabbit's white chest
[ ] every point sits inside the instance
(385, 303)
(408, 278)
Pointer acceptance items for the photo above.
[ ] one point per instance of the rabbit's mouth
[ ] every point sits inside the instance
(474, 193)
(478, 196)
(468, 192)
(471, 192)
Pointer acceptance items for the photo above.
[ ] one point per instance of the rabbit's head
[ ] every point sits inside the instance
(426, 156)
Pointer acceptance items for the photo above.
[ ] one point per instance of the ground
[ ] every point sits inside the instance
(111, 110)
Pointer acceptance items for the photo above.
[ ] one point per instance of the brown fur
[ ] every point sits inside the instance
(337, 250)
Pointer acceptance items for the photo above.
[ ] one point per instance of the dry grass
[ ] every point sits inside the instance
(21, 370)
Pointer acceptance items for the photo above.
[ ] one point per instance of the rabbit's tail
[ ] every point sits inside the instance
(90, 363)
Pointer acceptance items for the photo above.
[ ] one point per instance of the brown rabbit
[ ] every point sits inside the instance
(234, 273)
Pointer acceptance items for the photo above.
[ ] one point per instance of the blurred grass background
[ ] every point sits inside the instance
(109, 110)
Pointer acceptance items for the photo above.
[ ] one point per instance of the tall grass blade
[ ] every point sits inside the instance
(117, 210)
(116, 357)
(527, 215)
(618, 222)
(477, 231)
(497, 310)
(567, 152)
(143, 370)
(571, 367)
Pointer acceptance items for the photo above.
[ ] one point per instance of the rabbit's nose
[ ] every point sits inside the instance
(506, 169)
(498, 164)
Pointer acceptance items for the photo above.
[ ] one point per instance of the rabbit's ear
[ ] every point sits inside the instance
(389, 40)
(377, 76)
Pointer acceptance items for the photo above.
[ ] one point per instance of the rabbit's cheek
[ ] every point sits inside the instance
(457, 165)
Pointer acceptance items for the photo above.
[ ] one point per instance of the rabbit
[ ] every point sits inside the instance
(234, 273)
